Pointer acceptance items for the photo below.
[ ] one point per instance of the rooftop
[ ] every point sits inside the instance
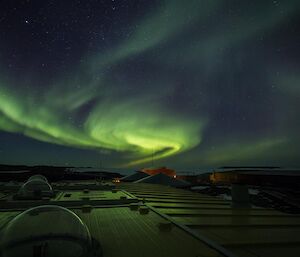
(141, 219)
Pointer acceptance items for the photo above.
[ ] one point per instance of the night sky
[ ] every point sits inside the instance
(188, 84)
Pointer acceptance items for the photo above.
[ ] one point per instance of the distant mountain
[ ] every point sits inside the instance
(53, 173)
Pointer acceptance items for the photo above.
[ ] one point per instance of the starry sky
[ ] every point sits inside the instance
(130, 84)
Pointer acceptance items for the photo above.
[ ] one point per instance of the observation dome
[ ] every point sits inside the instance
(38, 176)
(35, 187)
(46, 231)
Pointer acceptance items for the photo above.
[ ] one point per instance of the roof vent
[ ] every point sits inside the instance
(240, 196)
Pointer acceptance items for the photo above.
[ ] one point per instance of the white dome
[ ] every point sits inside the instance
(33, 186)
(46, 231)
(38, 176)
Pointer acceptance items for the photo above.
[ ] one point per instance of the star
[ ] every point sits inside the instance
(135, 77)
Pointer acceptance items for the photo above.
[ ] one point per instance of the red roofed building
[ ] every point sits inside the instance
(164, 170)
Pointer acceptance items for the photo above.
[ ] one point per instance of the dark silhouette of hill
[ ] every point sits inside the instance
(53, 173)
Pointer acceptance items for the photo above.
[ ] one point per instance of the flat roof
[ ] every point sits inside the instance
(246, 232)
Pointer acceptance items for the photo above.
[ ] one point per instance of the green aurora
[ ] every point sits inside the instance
(106, 127)
(154, 94)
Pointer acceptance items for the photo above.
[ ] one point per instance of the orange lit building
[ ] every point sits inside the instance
(257, 176)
